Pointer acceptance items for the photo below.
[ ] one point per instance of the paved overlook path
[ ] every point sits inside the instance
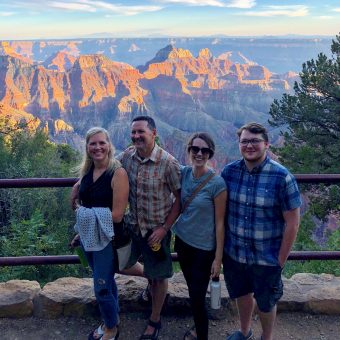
(295, 325)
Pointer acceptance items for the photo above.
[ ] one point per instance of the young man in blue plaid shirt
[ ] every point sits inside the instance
(263, 214)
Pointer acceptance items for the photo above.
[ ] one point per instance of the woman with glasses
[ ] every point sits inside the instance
(200, 228)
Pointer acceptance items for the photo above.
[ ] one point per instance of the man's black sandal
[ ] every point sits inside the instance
(154, 336)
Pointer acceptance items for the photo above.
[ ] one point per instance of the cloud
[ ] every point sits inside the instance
(288, 11)
(336, 9)
(6, 14)
(242, 3)
(325, 17)
(110, 9)
(72, 6)
(120, 9)
(92, 6)
(214, 3)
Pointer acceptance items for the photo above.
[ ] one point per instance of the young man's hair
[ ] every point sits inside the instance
(254, 128)
(148, 119)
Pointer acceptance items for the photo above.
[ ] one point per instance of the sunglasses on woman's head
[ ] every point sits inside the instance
(195, 150)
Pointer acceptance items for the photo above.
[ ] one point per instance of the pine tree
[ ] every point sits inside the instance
(311, 117)
(311, 129)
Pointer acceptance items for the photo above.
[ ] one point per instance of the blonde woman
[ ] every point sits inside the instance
(102, 193)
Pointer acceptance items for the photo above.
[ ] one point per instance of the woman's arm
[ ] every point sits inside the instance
(220, 206)
(120, 194)
(74, 196)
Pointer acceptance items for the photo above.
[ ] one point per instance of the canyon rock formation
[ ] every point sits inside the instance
(68, 93)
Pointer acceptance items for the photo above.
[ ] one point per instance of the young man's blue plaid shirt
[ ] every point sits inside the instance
(257, 199)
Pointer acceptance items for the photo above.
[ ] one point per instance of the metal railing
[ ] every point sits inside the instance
(68, 182)
(73, 259)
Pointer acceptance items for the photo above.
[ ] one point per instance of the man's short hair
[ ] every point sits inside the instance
(148, 119)
(254, 128)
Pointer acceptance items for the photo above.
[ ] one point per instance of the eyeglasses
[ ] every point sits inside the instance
(195, 150)
(254, 141)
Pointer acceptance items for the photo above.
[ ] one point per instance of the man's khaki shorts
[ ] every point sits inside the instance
(154, 268)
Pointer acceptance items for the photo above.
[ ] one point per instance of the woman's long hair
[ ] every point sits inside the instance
(87, 161)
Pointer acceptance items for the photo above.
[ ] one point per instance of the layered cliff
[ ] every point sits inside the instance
(60, 61)
(278, 54)
(184, 93)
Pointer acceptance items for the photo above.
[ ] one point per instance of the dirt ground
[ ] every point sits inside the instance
(297, 326)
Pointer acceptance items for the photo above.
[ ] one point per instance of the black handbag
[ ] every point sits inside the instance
(122, 234)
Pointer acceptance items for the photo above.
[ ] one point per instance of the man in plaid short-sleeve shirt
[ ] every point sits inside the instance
(261, 226)
(154, 204)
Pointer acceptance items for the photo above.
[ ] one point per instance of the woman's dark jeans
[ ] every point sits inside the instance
(196, 267)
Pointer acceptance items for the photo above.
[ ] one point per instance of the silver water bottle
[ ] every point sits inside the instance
(215, 293)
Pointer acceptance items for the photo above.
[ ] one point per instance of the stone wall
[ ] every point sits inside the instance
(319, 294)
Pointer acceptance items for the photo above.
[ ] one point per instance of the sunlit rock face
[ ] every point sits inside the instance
(7, 49)
(183, 92)
(60, 61)
(279, 55)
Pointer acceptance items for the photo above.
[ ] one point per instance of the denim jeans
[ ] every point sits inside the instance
(105, 288)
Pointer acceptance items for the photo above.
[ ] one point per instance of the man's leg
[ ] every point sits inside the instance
(245, 306)
(136, 270)
(240, 287)
(158, 271)
(268, 289)
(267, 323)
(159, 288)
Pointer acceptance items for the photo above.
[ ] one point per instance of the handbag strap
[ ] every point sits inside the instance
(197, 189)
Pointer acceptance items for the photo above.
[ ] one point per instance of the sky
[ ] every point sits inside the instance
(60, 19)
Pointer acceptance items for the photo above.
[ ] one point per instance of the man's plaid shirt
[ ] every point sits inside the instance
(257, 199)
(151, 180)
